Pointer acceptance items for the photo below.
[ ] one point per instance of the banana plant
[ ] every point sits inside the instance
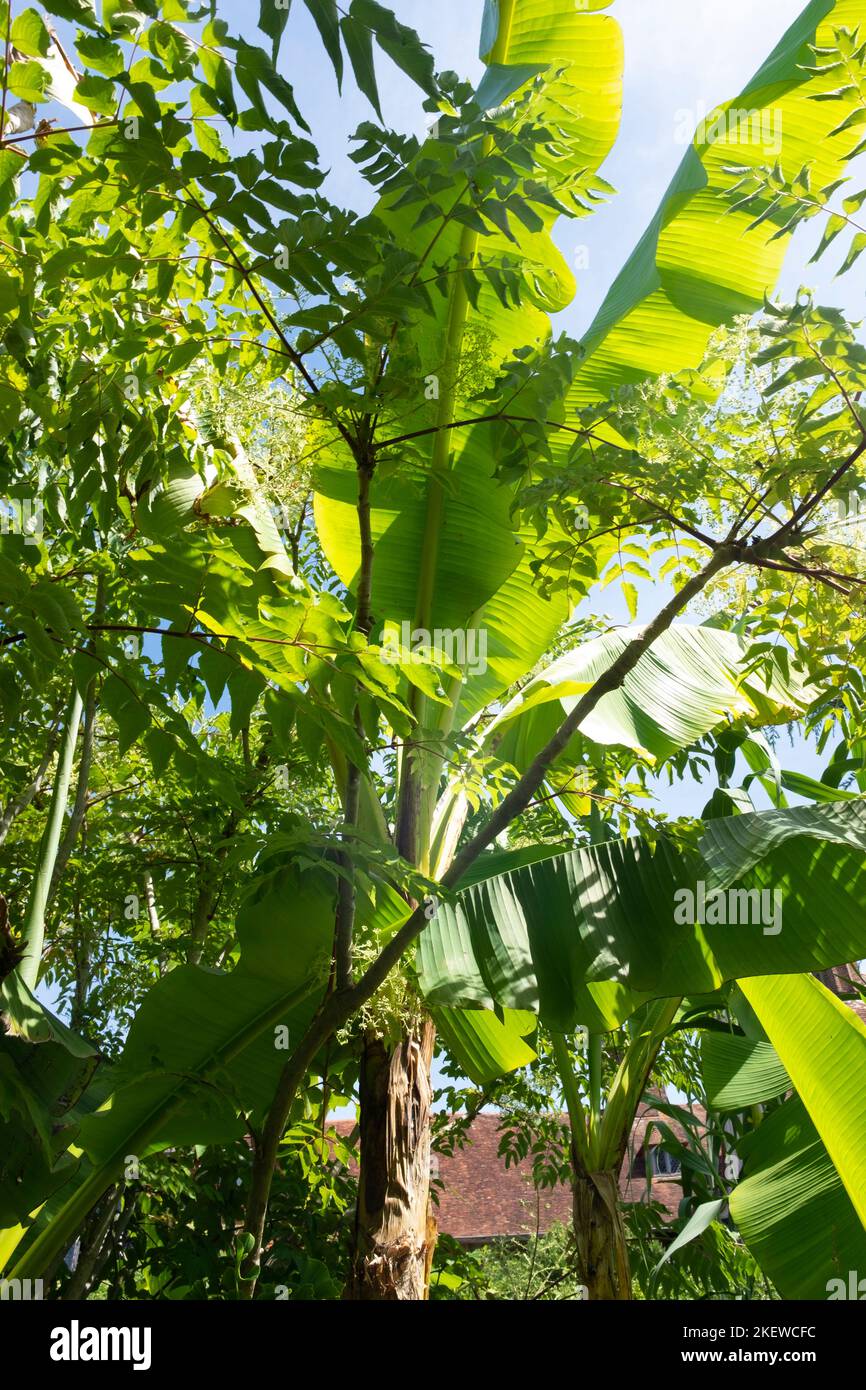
(449, 556)
(595, 938)
(443, 553)
(412, 514)
(792, 1182)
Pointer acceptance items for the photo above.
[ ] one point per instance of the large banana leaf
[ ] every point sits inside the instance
(822, 1045)
(796, 1209)
(698, 264)
(448, 553)
(690, 680)
(585, 936)
(39, 1085)
(731, 850)
(201, 1051)
(205, 1049)
(791, 1207)
(486, 1045)
(44, 1068)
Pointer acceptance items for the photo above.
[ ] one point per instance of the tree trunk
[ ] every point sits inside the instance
(599, 1237)
(395, 1234)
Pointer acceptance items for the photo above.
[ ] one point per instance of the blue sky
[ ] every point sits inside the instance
(681, 56)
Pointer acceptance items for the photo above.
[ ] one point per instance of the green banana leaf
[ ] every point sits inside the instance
(810, 788)
(447, 548)
(790, 1205)
(822, 1044)
(205, 1049)
(734, 845)
(691, 680)
(487, 1046)
(699, 264)
(44, 1068)
(39, 1086)
(545, 937)
(740, 1072)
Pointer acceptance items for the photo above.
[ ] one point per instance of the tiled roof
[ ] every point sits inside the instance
(479, 1197)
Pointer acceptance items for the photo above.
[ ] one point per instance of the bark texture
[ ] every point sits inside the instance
(395, 1233)
(599, 1237)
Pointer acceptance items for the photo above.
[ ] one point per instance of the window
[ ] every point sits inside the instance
(663, 1164)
